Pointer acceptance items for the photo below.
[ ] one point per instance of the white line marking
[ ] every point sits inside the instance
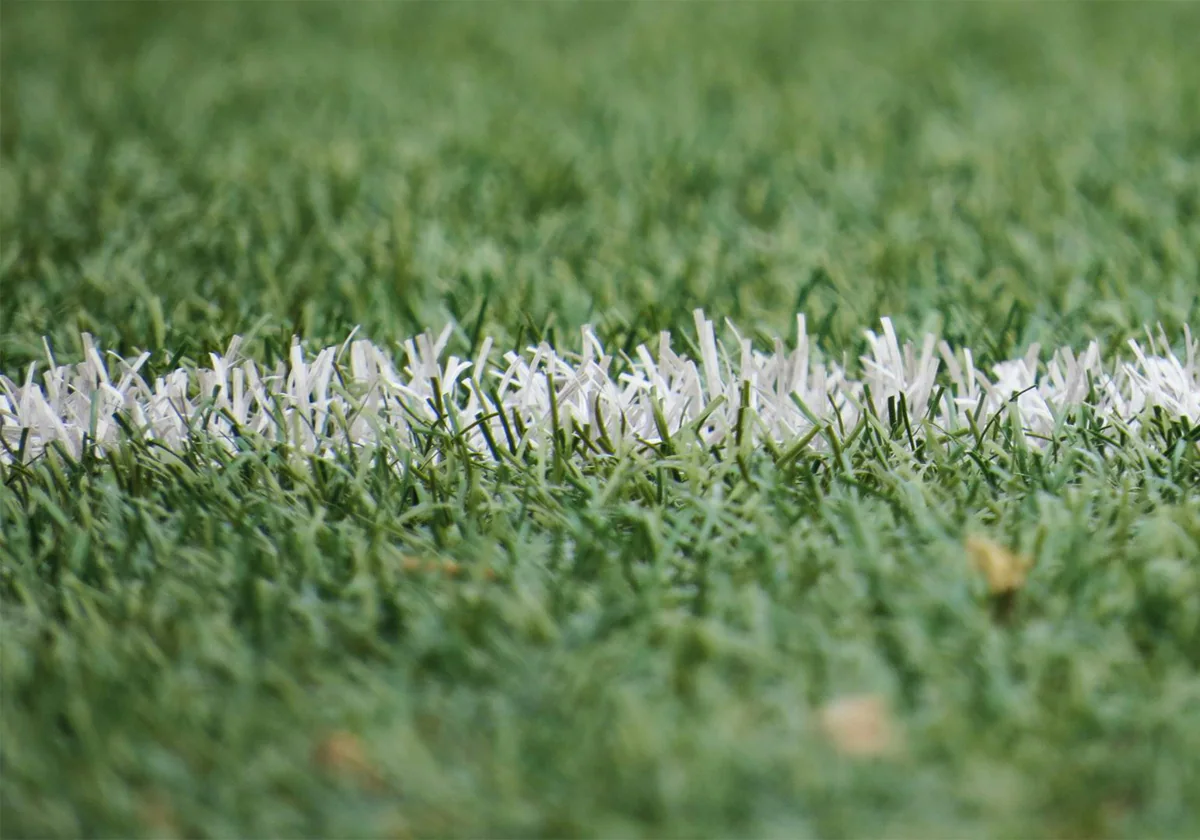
(354, 394)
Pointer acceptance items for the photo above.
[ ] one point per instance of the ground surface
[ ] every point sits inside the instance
(560, 648)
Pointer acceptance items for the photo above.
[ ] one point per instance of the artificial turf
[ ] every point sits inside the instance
(433, 644)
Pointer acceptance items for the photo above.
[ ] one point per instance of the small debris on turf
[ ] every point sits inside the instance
(1004, 569)
(155, 813)
(860, 726)
(432, 565)
(341, 754)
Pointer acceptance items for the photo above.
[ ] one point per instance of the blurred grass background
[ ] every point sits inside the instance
(176, 173)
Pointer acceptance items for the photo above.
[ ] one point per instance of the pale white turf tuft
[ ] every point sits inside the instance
(353, 394)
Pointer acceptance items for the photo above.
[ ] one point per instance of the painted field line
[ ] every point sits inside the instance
(358, 394)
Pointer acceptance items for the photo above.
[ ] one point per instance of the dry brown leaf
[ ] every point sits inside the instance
(341, 753)
(154, 811)
(432, 565)
(1004, 569)
(860, 725)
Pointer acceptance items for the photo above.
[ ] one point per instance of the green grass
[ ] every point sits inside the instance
(634, 646)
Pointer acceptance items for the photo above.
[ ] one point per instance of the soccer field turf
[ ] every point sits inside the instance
(536, 573)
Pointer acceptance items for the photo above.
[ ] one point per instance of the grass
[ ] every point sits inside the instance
(242, 644)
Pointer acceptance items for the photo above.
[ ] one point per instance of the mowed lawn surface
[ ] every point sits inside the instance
(681, 644)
